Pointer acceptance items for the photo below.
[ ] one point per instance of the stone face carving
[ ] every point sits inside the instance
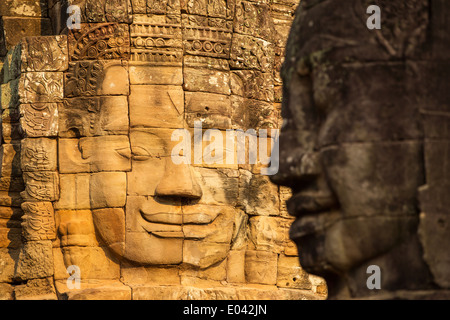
(93, 154)
(156, 106)
(87, 171)
(213, 110)
(74, 192)
(359, 147)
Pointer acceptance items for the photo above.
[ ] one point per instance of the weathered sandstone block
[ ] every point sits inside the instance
(290, 274)
(76, 228)
(94, 116)
(35, 260)
(261, 267)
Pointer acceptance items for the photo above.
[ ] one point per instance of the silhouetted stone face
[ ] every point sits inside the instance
(365, 145)
(88, 177)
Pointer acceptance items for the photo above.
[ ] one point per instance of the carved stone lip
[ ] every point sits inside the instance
(303, 203)
(168, 234)
(163, 217)
(199, 218)
(180, 218)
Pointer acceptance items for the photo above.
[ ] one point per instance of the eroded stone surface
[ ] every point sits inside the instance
(88, 178)
(41, 186)
(290, 274)
(260, 267)
(36, 289)
(94, 290)
(156, 106)
(94, 116)
(10, 154)
(35, 260)
(15, 28)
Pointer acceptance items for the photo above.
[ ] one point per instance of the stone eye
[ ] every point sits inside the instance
(140, 154)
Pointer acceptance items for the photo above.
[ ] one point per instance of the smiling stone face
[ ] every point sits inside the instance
(165, 210)
(97, 155)
(129, 165)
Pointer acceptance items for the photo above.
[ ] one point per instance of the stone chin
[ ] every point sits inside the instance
(309, 234)
(142, 248)
(149, 249)
(332, 245)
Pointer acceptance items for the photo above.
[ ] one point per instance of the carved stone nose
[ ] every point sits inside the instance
(178, 181)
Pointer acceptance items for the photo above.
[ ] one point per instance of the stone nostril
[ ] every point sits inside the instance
(177, 193)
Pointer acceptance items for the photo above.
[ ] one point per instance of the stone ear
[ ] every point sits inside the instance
(85, 149)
